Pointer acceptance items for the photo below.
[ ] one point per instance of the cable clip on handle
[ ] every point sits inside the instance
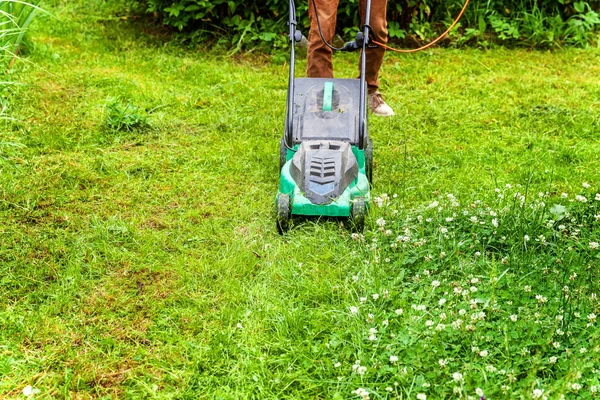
(354, 45)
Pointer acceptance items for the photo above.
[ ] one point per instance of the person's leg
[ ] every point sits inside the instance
(319, 63)
(378, 23)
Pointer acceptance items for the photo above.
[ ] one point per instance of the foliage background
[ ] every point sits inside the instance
(534, 23)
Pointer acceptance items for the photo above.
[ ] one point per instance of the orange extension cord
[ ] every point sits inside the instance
(429, 44)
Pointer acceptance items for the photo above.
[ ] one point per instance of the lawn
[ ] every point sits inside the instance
(139, 256)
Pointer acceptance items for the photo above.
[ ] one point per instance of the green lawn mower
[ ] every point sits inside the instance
(326, 156)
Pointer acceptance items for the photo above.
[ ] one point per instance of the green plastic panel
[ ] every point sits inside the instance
(341, 207)
(327, 96)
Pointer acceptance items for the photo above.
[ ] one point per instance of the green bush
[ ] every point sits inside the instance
(527, 22)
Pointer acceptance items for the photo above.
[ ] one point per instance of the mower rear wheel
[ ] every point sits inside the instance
(284, 213)
(369, 161)
(358, 214)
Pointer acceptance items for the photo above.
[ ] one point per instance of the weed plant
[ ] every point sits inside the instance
(15, 18)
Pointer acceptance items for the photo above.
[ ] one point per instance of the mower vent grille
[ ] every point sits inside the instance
(322, 169)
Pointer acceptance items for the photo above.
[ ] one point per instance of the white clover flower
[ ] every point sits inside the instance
(483, 353)
(362, 393)
(353, 310)
(354, 278)
(479, 392)
(372, 331)
(435, 284)
(443, 362)
(372, 338)
(429, 323)
(580, 198)
(385, 322)
(583, 350)
(443, 229)
(375, 296)
(495, 223)
(553, 360)
(393, 359)
(380, 222)
(399, 311)
(597, 197)
(592, 317)
(442, 301)
(594, 245)
(457, 376)
(355, 236)
(462, 311)
(421, 396)
(361, 370)
(575, 386)
(477, 253)
(29, 391)
(490, 368)
(586, 185)
(526, 238)
(473, 289)
(362, 300)
(594, 389)
(556, 345)
(474, 219)
(337, 364)
(537, 393)
(541, 299)
(514, 318)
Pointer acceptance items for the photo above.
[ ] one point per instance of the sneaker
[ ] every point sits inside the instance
(378, 106)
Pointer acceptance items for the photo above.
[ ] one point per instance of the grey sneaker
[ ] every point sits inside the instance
(378, 106)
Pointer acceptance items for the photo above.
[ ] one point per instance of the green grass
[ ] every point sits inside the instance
(139, 256)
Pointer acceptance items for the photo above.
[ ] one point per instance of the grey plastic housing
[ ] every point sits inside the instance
(310, 122)
(324, 169)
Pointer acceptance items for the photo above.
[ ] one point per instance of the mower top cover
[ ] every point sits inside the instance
(326, 109)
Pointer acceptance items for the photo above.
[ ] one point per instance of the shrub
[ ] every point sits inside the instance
(529, 22)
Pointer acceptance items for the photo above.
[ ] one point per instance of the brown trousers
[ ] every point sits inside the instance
(319, 55)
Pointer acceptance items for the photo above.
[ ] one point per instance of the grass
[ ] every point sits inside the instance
(139, 256)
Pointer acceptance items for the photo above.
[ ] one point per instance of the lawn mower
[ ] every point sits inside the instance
(326, 156)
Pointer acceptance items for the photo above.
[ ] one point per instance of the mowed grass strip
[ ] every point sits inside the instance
(139, 255)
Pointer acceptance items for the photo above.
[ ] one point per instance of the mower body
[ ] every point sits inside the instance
(325, 159)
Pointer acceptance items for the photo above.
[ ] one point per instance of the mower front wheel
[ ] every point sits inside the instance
(284, 213)
(358, 214)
